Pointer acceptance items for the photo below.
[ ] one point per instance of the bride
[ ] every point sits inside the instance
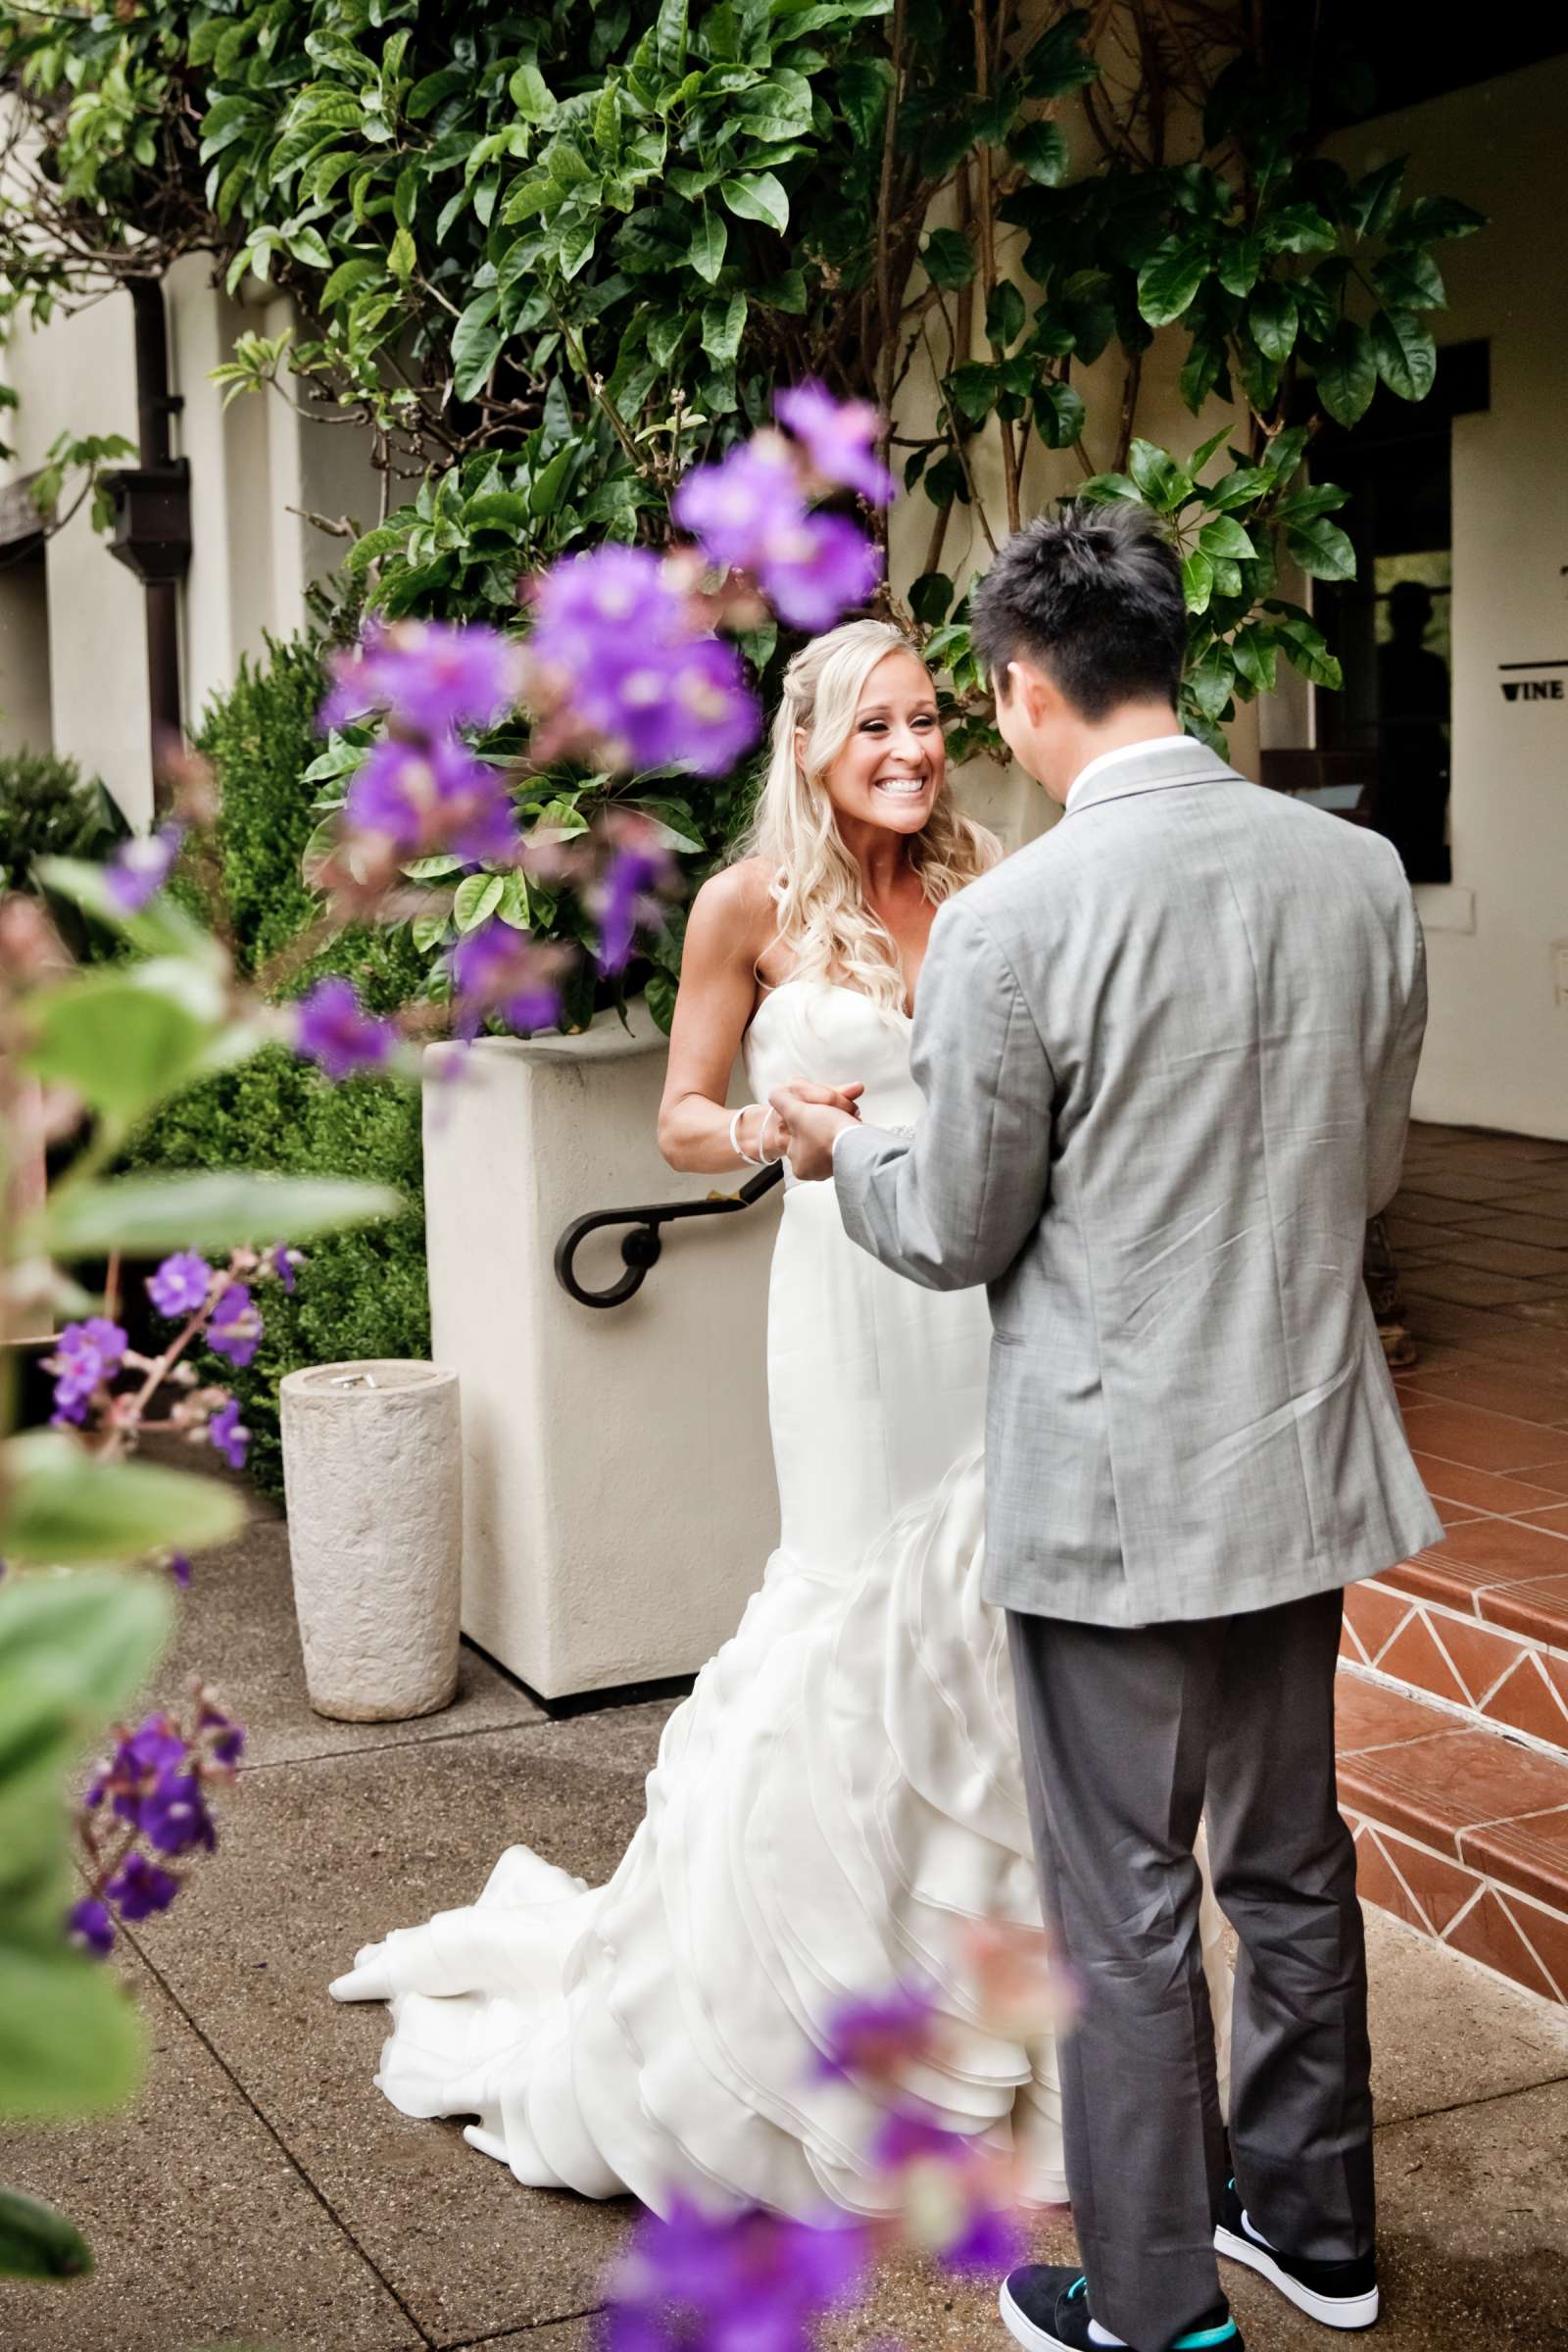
(841, 1796)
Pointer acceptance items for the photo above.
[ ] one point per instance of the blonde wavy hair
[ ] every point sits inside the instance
(813, 881)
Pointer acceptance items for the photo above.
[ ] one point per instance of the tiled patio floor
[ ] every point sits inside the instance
(1454, 1701)
(263, 2194)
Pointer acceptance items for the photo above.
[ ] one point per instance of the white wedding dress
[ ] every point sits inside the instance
(838, 1797)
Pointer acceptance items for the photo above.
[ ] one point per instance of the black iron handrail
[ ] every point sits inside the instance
(641, 1246)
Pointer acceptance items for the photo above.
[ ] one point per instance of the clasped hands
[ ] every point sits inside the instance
(811, 1116)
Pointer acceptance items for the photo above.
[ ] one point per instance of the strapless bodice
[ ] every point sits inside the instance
(817, 1029)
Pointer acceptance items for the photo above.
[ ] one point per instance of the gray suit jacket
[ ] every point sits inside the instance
(1166, 1055)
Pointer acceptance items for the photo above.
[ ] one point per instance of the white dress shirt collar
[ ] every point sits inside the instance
(1127, 751)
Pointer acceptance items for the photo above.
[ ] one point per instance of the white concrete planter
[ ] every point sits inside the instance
(618, 1494)
(373, 1471)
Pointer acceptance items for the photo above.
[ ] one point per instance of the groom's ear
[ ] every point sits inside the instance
(1028, 684)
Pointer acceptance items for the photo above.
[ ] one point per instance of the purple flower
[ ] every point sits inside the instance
(825, 568)
(988, 2246)
(419, 798)
(229, 1746)
(333, 1028)
(282, 1261)
(431, 675)
(175, 1815)
(140, 1887)
(153, 1748)
(86, 1355)
(748, 2282)
(876, 2038)
(838, 438)
(737, 511)
(89, 1925)
(615, 589)
(235, 1326)
(497, 970)
(959, 2191)
(138, 869)
(640, 869)
(179, 1569)
(227, 1433)
(180, 1284)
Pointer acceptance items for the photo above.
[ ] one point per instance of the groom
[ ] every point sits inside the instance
(1166, 1055)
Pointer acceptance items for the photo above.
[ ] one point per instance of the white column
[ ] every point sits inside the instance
(620, 1502)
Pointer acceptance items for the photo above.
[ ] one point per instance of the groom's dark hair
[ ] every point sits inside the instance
(1091, 593)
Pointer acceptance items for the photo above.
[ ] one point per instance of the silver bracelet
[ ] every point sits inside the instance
(738, 1147)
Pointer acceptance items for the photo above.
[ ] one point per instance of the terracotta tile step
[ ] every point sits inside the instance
(1461, 1831)
(1499, 1653)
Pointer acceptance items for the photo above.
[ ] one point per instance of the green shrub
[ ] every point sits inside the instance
(359, 1293)
(49, 809)
(261, 737)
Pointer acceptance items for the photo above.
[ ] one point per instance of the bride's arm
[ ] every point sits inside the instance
(729, 925)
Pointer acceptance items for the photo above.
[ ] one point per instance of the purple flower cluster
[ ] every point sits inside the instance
(234, 1328)
(430, 676)
(179, 1286)
(749, 513)
(333, 1028)
(497, 970)
(138, 869)
(155, 1784)
(878, 2037)
(431, 795)
(746, 2282)
(956, 2195)
(228, 1434)
(639, 878)
(86, 1357)
(619, 657)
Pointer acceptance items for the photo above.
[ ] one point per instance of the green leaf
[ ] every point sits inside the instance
(709, 237)
(545, 490)
(1297, 228)
(530, 94)
(1107, 486)
(512, 907)
(1198, 581)
(475, 901)
(1256, 654)
(70, 2038)
(1005, 314)
(1169, 280)
(930, 597)
(38, 2242)
(1162, 482)
(1272, 316)
(1240, 488)
(1059, 415)
(1285, 452)
(1321, 548)
(756, 196)
(1210, 680)
(1223, 540)
(402, 258)
(145, 1216)
(1432, 216)
(949, 259)
(1202, 370)
(126, 1038)
(85, 1641)
(69, 1510)
(476, 342)
(723, 324)
(1370, 205)
(426, 95)
(1305, 647)
(161, 928)
(1240, 260)
(973, 391)
(1347, 373)
(1409, 279)
(1041, 149)
(669, 38)
(1405, 354)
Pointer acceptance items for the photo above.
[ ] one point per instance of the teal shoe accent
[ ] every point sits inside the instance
(1202, 2337)
(1079, 2287)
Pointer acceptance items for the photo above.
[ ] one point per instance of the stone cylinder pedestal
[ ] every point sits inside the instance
(373, 1473)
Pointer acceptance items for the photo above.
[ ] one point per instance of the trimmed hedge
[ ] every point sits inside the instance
(359, 1293)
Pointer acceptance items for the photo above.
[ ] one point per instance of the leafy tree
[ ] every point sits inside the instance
(551, 256)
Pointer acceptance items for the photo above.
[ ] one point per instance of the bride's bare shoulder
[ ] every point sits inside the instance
(733, 913)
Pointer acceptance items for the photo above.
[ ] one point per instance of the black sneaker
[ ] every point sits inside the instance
(1045, 2307)
(1340, 2294)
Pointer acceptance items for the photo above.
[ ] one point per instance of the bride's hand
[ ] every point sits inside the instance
(811, 1116)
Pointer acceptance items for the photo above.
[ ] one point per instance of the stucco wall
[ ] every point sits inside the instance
(1497, 1050)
